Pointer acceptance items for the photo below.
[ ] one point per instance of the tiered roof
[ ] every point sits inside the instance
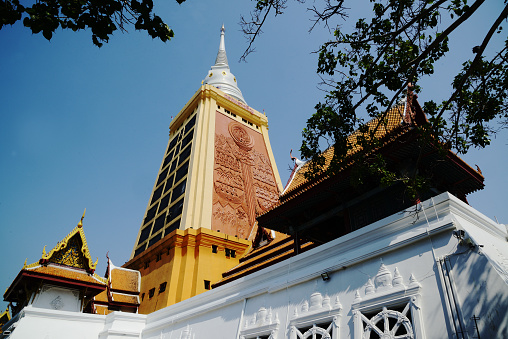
(122, 292)
(68, 264)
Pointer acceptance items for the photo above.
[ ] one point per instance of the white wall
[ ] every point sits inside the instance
(392, 263)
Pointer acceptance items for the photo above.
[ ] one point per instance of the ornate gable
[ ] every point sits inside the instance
(71, 251)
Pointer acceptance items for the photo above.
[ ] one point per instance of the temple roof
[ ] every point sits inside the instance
(122, 290)
(68, 264)
(398, 142)
(71, 251)
(220, 76)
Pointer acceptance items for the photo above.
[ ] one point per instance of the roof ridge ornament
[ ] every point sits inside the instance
(220, 76)
(80, 223)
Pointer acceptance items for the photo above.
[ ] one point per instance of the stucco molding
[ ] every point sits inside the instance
(261, 323)
(387, 291)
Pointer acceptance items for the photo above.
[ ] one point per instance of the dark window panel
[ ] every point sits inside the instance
(139, 250)
(159, 223)
(162, 176)
(162, 287)
(172, 144)
(164, 203)
(187, 139)
(182, 171)
(178, 190)
(168, 159)
(185, 154)
(155, 239)
(175, 211)
(156, 195)
(151, 213)
(173, 165)
(172, 227)
(144, 234)
(169, 183)
(190, 124)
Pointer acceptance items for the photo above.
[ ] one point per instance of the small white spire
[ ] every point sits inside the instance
(220, 76)
(222, 59)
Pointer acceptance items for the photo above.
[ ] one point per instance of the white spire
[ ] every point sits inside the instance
(222, 59)
(220, 76)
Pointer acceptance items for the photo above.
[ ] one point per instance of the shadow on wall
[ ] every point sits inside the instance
(480, 289)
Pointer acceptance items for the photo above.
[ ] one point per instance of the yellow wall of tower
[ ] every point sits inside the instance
(184, 260)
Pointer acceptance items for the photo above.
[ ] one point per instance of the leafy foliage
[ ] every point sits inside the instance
(368, 69)
(103, 17)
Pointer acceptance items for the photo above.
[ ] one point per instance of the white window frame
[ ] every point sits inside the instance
(385, 295)
(320, 311)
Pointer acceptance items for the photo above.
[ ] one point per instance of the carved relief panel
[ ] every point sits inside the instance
(244, 183)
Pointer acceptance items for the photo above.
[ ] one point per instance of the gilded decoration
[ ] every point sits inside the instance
(244, 183)
(70, 255)
(71, 251)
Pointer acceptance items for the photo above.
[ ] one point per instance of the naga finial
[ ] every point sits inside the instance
(80, 223)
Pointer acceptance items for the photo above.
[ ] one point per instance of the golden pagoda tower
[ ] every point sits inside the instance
(217, 173)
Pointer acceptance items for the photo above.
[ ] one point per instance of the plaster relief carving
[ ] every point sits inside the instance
(263, 171)
(187, 333)
(262, 323)
(241, 136)
(318, 311)
(385, 281)
(230, 178)
(243, 178)
(231, 219)
(383, 278)
(317, 304)
(229, 192)
(57, 303)
(389, 308)
(226, 160)
(267, 196)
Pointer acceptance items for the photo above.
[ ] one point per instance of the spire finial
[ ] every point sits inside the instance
(220, 75)
(80, 223)
(222, 59)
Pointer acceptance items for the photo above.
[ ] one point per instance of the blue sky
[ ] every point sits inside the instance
(87, 127)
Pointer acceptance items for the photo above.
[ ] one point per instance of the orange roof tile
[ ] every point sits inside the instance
(124, 279)
(381, 128)
(125, 298)
(101, 297)
(67, 273)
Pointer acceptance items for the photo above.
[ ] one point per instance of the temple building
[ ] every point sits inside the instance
(218, 172)
(224, 251)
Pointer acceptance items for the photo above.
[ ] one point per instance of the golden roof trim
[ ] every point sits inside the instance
(64, 242)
